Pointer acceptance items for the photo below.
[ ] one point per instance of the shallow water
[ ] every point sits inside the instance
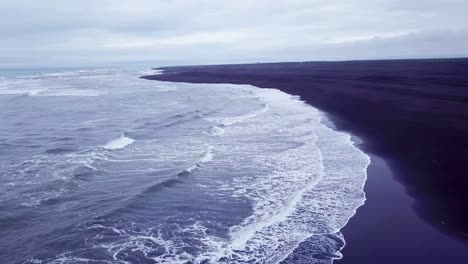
(99, 166)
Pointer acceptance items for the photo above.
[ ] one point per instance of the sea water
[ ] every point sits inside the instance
(100, 166)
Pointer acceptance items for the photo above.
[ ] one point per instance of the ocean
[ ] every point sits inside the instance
(100, 166)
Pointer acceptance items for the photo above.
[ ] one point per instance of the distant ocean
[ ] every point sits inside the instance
(99, 166)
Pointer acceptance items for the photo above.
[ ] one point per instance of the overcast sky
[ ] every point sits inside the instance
(58, 33)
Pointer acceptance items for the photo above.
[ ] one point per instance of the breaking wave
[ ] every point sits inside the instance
(216, 131)
(230, 120)
(118, 143)
(205, 156)
(203, 173)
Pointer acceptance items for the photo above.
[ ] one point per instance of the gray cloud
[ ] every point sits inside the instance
(101, 32)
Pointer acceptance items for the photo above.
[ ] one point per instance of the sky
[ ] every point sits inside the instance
(71, 33)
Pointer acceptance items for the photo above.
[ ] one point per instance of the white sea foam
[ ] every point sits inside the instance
(216, 131)
(313, 188)
(50, 84)
(69, 92)
(45, 177)
(95, 121)
(308, 186)
(35, 92)
(50, 92)
(230, 120)
(205, 156)
(118, 143)
(145, 242)
(21, 91)
(63, 74)
(302, 179)
(21, 86)
(13, 91)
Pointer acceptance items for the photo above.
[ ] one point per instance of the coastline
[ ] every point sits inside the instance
(350, 100)
(386, 230)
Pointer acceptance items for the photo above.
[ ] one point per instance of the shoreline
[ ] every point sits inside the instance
(352, 103)
(386, 230)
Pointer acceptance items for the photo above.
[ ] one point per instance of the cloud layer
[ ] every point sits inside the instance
(161, 32)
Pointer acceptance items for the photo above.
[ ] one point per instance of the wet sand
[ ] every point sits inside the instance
(386, 230)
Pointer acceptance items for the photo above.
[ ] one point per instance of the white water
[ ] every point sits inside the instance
(216, 131)
(205, 156)
(306, 192)
(218, 173)
(230, 120)
(118, 143)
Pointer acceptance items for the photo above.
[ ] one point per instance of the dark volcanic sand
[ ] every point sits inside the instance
(386, 231)
(413, 113)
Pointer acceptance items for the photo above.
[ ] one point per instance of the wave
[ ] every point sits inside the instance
(216, 131)
(204, 157)
(61, 74)
(20, 91)
(135, 243)
(118, 143)
(50, 92)
(51, 84)
(92, 121)
(68, 92)
(230, 120)
(293, 179)
(312, 191)
(48, 176)
(207, 155)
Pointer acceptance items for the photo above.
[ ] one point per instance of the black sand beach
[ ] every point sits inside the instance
(413, 114)
(386, 230)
